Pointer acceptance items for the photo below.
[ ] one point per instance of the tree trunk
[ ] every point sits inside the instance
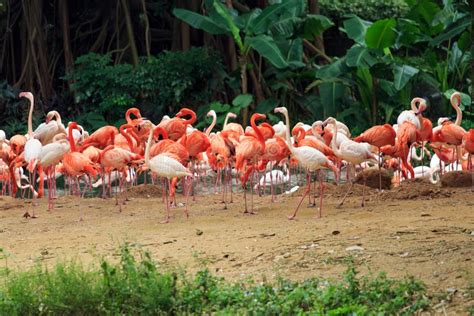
(232, 51)
(244, 87)
(64, 19)
(185, 31)
(147, 29)
(37, 46)
(314, 9)
(131, 36)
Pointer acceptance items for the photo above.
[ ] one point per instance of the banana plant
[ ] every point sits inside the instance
(269, 32)
(378, 71)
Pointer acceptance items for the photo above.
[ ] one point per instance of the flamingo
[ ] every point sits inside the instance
(76, 163)
(469, 147)
(32, 150)
(166, 166)
(352, 152)
(378, 136)
(101, 138)
(276, 150)
(273, 178)
(248, 152)
(310, 159)
(46, 131)
(51, 154)
(176, 127)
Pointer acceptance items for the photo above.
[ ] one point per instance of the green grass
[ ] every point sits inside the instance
(141, 286)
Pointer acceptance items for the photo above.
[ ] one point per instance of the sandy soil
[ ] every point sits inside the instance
(416, 229)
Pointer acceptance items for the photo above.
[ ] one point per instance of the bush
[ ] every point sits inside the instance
(371, 10)
(104, 91)
(142, 287)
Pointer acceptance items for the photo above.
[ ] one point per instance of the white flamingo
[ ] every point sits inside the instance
(52, 126)
(32, 147)
(280, 129)
(50, 155)
(352, 152)
(413, 115)
(165, 166)
(310, 159)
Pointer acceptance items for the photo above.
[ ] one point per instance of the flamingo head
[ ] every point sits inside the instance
(184, 112)
(25, 94)
(259, 116)
(281, 110)
(442, 120)
(210, 113)
(329, 120)
(422, 107)
(232, 115)
(456, 96)
(49, 116)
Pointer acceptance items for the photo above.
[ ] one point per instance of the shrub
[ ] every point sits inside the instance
(135, 287)
(371, 10)
(104, 91)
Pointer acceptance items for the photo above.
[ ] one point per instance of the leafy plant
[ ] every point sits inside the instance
(141, 286)
(160, 84)
(269, 32)
(371, 10)
(380, 72)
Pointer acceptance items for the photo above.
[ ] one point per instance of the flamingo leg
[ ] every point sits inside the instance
(291, 217)
(321, 194)
(187, 194)
(167, 217)
(230, 184)
(363, 189)
(380, 170)
(349, 190)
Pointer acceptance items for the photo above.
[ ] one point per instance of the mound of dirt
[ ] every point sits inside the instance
(341, 189)
(143, 191)
(456, 179)
(415, 189)
(372, 178)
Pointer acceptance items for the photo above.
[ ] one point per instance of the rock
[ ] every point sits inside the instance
(403, 255)
(354, 248)
(451, 290)
(335, 232)
(199, 232)
(425, 214)
(286, 255)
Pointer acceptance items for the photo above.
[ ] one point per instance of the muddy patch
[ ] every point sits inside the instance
(457, 179)
(415, 189)
(372, 179)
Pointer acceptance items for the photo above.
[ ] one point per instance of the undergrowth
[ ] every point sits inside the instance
(141, 286)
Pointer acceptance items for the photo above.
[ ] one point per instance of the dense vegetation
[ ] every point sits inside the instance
(359, 60)
(143, 287)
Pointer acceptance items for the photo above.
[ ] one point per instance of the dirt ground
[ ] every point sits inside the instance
(416, 229)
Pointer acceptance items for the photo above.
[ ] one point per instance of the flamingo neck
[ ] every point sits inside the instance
(147, 149)
(30, 115)
(127, 137)
(300, 133)
(57, 116)
(160, 131)
(457, 108)
(214, 120)
(288, 138)
(131, 111)
(192, 114)
(257, 131)
(226, 119)
(334, 140)
(72, 144)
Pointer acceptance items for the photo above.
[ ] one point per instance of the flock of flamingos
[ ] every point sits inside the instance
(173, 151)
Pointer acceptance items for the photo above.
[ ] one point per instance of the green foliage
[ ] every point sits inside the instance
(371, 10)
(140, 286)
(161, 84)
(382, 73)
